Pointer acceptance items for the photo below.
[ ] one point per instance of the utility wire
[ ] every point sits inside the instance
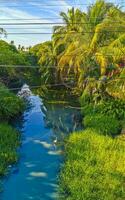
(51, 27)
(49, 23)
(50, 5)
(73, 33)
(33, 87)
(42, 18)
(29, 28)
(35, 67)
(16, 1)
(55, 5)
(61, 84)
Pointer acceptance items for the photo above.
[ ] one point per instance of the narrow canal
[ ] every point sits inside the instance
(43, 128)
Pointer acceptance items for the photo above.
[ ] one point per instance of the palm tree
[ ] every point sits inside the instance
(62, 34)
(48, 61)
(3, 32)
(99, 36)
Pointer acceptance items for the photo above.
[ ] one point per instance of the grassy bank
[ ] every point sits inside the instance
(10, 106)
(9, 141)
(94, 167)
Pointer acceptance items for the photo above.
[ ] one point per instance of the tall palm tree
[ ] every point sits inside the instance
(3, 32)
(48, 61)
(99, 36)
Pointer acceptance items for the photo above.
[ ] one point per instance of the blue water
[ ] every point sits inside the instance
(43, 129)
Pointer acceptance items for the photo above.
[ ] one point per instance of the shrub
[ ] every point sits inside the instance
(114, 107)
(9, 141)
(10, 104)
(94, 167)
(102, 123)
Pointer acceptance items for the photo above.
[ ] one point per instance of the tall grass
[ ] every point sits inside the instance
(9, 141)
(94, 168)
(10, 104)
(104, 124)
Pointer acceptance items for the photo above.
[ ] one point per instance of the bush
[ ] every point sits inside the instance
(94, 168)
(10, 104)
(103, 124)
(114, 107)
(9, 141)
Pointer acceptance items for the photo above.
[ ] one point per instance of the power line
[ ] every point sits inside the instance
(51, 23)
(73, 33)
(46, 5)
(42, 66)
(35, 28)
(31, 1)
(42, 18)
(33, 87)
(50, 5)
(45, 28)
(51, 27)
(16, 1)
(62, 84)
(32, 19)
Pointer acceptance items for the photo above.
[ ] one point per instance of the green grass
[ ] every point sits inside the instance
(10, 104)
(9, 141)
(104, 124)
(94, 168)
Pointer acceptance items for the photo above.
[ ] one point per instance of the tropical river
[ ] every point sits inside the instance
(43, 126)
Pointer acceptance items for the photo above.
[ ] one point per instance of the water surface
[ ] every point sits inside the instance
(43, 129)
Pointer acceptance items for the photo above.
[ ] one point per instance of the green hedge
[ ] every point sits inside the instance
(94, 168)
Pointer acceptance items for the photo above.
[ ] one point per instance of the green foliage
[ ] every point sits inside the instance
(84, 55)
(9, 141)
(114, 107)
(104, 124)
(94, 167)
(102, 103)
(10, 104)
(9, 56)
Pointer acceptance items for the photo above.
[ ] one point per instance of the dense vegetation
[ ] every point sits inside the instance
(87, 55)
(94, 161)
(13, 73)
(16, 65)
(94, 167)
(9, 141)
(10, 106)
(88, 46)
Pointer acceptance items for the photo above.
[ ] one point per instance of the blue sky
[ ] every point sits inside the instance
(34, 9)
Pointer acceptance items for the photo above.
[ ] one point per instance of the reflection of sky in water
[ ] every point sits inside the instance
(35, 176)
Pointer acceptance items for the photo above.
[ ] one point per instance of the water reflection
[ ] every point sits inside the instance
(44, 126)
(58, 115)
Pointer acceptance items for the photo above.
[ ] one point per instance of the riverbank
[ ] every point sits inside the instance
(44, 127)
(94, 165)
(10, 107)
(9, 141)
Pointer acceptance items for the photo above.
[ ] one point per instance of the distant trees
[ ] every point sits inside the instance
(12, 57)
(89, 44)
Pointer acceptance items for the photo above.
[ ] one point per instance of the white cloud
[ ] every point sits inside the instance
(13, 13)
(34, 11)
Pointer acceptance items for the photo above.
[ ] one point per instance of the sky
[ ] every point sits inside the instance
(35, 11)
